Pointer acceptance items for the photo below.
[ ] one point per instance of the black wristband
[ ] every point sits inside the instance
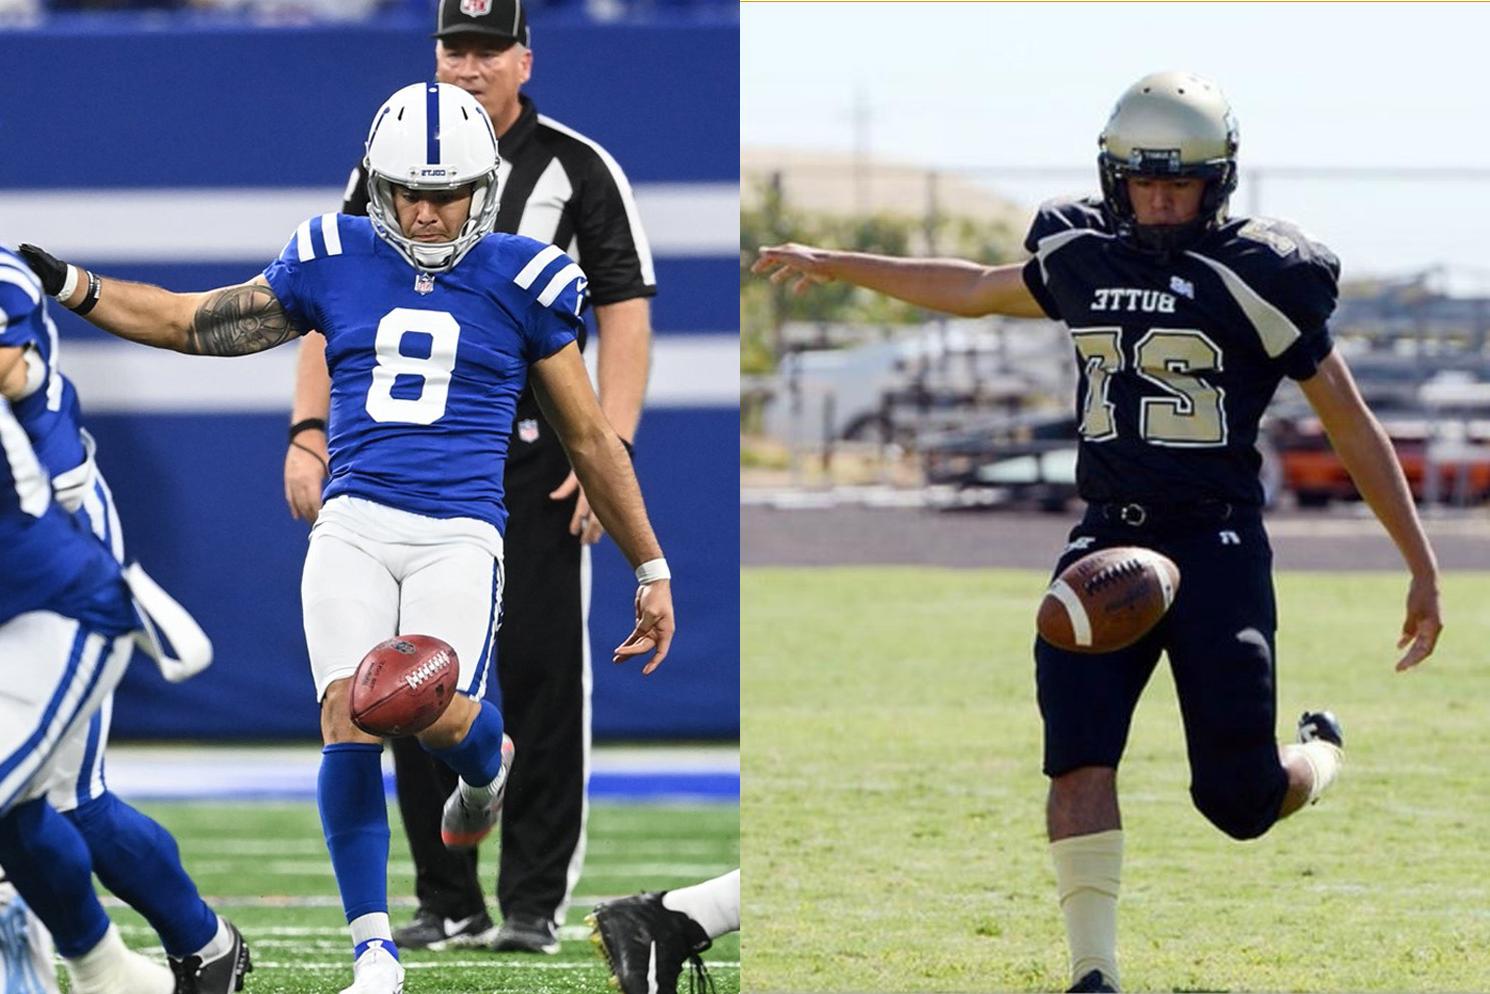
(94, 285)
(307, 425)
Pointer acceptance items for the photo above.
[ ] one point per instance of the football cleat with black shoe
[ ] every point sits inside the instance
(646, 945)
(1321, 725)
(1093, 981)
(223, 974)
(520, 934)
(436, 932)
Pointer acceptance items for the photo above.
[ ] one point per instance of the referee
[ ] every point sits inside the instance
(558, 187)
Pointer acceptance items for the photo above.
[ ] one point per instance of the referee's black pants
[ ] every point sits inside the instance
(541, 669)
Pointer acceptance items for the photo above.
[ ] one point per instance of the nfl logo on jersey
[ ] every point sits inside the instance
(424, 283)
(475, 8)
(527, 429)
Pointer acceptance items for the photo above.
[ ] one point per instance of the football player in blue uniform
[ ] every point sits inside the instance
(432, 324)
(1183, 321)
(67, 615)
(133, 856)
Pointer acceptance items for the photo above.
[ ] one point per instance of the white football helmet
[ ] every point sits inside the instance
(432, 136)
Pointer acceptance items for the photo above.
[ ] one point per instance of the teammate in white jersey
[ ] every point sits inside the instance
(432, 324)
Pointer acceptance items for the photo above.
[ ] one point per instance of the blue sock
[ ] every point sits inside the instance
(47, 860)
(477, 759)
(138, 860)
(354, 817)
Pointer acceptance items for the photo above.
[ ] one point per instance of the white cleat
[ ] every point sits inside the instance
(377, 971)
(110, 968)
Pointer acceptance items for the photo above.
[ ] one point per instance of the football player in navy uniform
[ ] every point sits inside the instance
(1184, 321)
(432, 324)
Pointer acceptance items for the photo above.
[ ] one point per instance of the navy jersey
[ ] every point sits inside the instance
(1179, 357)
(425, 370)
(52, 562)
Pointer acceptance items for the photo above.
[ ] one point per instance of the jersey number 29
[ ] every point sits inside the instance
(434, 370)
(1190, 412)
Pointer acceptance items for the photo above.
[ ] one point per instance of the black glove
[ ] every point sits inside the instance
(51, 270)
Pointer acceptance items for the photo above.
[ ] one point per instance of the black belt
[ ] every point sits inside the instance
(1137, 514)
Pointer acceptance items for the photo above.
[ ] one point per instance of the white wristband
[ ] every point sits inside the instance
(69, 284)
(653, 570)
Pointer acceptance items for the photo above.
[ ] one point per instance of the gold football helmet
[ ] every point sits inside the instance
(1169, 125)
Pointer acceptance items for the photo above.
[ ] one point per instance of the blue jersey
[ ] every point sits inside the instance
(52, 562)
(425, 369)
(49, 412)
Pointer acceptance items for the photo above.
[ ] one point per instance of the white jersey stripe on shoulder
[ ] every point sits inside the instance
(331, 234)
(537, 265)
(556, 286)
(1273, 327)
(10, 273)
(1050, 243)
(32, 485)
(303, 248)
(623, 186)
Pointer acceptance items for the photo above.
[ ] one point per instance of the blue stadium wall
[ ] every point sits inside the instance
(186, 156)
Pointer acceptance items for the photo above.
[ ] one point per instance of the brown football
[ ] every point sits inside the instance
(1108, 600)
(403, 685)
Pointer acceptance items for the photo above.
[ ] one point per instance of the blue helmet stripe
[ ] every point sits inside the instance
(432, 119)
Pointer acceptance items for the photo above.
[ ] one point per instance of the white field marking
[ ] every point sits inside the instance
(688, 370)
(506, 965)
(229, 846)
(247, 224)
(322, 868)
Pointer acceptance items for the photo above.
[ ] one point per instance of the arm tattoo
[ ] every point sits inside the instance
(239, 320)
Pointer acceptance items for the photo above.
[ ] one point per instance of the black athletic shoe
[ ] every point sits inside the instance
(647, 944)
(1092, 980)
(220, 975)
(436, 932)
(1321, 725)
(519, 934)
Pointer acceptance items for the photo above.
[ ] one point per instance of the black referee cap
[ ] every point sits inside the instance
(499, 18)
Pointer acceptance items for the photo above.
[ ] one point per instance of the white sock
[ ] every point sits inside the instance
(373, 925)
(1088, 870)
(219, 944)
(714, 904)
(479, 796)
(102, 962)
(1324, 759)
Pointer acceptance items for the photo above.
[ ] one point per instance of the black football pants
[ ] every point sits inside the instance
(541, 668)
(1219, 637)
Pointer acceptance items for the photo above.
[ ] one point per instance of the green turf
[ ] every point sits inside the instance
(892, 808)
(253, 861)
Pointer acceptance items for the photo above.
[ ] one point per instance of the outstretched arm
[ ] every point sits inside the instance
(1367, 453)
(563, 389)
(955, 286)
(233, 320)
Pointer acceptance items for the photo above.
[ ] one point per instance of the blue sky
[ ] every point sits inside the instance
(972, 86)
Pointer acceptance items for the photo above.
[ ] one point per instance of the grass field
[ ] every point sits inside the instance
(892, 808)
(265, 866)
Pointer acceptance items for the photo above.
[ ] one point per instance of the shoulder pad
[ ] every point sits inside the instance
(20, 290)
(1065, 214)
(543, 270)
(1280, 264)
(327, 235)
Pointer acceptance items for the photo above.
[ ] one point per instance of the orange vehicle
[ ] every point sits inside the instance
(1460, 449)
